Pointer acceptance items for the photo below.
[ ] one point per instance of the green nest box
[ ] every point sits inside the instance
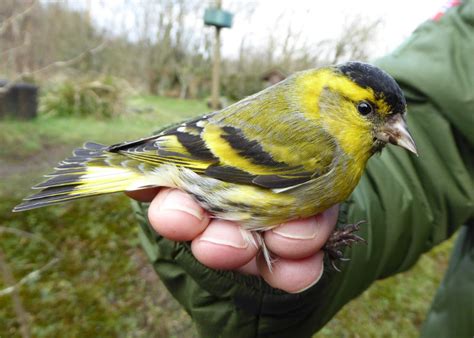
(218, 18)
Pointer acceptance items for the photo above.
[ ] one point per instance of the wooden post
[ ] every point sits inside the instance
(215, 93)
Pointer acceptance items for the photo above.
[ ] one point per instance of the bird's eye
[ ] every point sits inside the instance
(364, 108)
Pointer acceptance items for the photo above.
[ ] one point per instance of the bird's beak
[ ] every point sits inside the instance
(396, 132)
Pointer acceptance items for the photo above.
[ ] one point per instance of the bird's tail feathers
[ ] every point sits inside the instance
(90, 171)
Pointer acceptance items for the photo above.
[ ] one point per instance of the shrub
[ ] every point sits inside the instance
(99, 98)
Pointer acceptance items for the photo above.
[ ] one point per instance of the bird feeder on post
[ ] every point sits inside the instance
(218, 18)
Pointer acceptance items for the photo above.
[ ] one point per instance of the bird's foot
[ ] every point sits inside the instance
(340, 239)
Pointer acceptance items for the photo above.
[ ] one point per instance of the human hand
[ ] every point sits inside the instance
(219, 244)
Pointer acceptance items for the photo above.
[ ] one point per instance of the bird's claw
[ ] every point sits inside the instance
(340, 239)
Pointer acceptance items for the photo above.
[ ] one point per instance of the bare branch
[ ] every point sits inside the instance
(66, 63)
(53, 65)
(26, 234)
(26, 42)
(16, 17)
(32, 276)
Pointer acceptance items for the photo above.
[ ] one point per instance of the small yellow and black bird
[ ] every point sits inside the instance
(289, 151)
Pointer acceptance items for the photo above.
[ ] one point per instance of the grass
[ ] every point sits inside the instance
(21, 139)
(101, 283)
(396, 306)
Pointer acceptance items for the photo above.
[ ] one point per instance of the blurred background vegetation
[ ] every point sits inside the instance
(78, 270)
(160, 48)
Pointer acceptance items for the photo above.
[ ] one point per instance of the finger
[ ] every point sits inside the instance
(250, 268)
(223, 245)
(143, 195)
(176, 215)
(293, 276)
(304, 237)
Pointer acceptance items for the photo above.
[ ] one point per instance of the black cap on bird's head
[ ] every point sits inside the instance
(384, 87)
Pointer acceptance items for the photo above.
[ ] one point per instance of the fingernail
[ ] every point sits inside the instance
(225, 233)
(313, 283)
(297, 230)
(176, 200)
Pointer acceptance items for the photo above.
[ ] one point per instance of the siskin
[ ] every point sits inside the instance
(289, 151)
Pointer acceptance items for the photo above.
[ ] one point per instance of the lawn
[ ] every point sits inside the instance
(97, 281)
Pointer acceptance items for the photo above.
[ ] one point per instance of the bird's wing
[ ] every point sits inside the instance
(217, 151)
(179, 145)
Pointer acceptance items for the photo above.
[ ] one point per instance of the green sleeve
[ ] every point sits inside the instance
(435, 65)
(452, 311)
(411, 204)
